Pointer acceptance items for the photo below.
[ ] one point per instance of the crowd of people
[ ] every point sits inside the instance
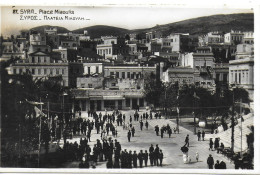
(218, 165)
(109, 150)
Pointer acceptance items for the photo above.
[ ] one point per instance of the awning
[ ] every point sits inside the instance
(113, 98)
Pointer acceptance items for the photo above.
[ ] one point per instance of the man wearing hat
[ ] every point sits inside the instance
(210, 162)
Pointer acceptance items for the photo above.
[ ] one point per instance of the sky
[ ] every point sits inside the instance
(124, 17)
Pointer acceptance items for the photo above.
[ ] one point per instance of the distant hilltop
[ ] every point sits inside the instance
(195, 26)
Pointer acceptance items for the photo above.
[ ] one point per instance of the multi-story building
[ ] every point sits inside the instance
(93, 68)
(241, 70)
(214, 38)
(11, 49)
(37, 39)
(153, 35)
(203, 63)
(95, 82)
(112, 46)
(182, 42)
(42, 65)
(99, 99)
(248, 38)
(126, 76)
(172, 57)
(221, 77)
(182, 75)
(67, 54)
(233, 37)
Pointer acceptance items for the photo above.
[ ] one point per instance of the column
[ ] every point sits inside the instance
(87, 105)
(131, 103)
(116, 104)
(102, 105)
(124, 104)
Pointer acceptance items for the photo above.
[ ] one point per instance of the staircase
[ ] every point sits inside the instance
(225, 136)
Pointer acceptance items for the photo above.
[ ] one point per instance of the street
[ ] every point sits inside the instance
(173, 157)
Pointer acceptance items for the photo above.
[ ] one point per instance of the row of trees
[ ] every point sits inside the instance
(20, 121)
(190, 98)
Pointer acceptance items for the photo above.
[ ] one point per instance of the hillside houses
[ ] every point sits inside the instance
(116, 66)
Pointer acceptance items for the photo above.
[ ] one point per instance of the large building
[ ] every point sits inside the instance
(221, 71)
(112, 46)
(127, 76)
(203, 64)
(233, 37)
(42, 65)
(98, 99)
(241, 70)
(182, 75)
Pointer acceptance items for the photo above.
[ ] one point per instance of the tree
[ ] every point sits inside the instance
(20, 124)
(127, 37)
(153, 90)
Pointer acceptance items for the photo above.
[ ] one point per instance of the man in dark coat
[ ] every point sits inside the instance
(170, 132)
(151, 149)
(162, 131)
(156, 155)
(211, 144)
(146, 124)
(133, 131)
(199, 135)
(129, 135)
(141, 158)
(160, 157)
(145, 158)
(187, 141)
(151, 156)
(203, 135)
(210, 162)
(157, 130)
(135, 159)
(141, 125)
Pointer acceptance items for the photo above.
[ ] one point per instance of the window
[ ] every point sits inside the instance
(113, 84)
(128, 74)
(111, 73)
(97, 71)
(117, 74)
(51, 71)
(45, 60)
(57, 71)
(14, 71)
(39, 71)
(45, 71)
(239, 76)
(88, 70)
(33, 71)
(123, 75)
(90, 85)
(33, 60)
(63, 71)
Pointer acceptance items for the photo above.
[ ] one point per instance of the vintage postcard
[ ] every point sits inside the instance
(148, 89)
